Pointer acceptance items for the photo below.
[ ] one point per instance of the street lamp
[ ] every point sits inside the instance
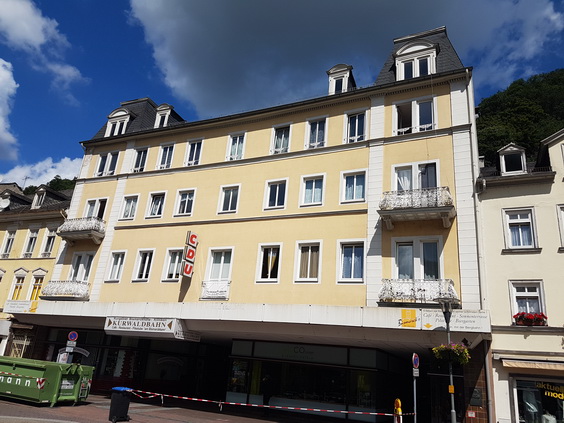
(446, 307)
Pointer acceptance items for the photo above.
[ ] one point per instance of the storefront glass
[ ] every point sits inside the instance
(540, 401)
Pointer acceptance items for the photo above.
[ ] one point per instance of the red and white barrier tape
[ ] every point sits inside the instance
(277, 407)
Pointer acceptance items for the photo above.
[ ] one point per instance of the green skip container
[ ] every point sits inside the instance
(44, 381)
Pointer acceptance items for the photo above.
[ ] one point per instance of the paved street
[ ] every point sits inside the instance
(96, 410)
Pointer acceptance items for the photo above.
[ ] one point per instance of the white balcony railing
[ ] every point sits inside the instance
(416, 290)
(416, 199)
(92, 228)
(66, 290)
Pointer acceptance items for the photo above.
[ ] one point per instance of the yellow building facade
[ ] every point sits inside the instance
(310, 242)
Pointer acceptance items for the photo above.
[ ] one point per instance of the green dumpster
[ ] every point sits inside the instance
(44, 381)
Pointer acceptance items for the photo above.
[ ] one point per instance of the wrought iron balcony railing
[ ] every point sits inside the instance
(416, 290)
(92, 228)
(416, 198)
(66, 290)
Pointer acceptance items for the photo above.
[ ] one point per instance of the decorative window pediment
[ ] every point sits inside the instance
(21, 272)
(39, 272)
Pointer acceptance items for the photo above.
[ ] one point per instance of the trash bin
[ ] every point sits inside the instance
(119, 405)
(44, 381)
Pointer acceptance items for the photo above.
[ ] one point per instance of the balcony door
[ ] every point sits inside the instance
(418, 259)
(81, 265)
(426, 176)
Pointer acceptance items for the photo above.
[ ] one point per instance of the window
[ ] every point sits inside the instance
(166, 157)
(185, 202)
(220, 268)
(416, 67)
(512, 160)
(308, 262)
(161, 119)
(355, 128)
(140, 160)
(354, 187)
(39, 198)
(276, 195)
(156, 206)
(415, 60)
(80, 269)
(235, 151)
(18, 286)
(36, 289)
(117, 123)
(174, 265)
(8, 244)
(418, 259)
(414, 116)
(269, 263)
(129, 207)
(116, 267)
(560, 211)
(425, 176)
(49, 243)
(316, 133)
(312, 190)
(352, 262)
(229, 197)
(527, 297)
(144, 265)
(31, 241)
(519, 229)
(107, 164)
(281, 140)
(194, 153)
(96, 208)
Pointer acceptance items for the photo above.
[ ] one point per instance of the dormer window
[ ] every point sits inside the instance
(512, 160)
(117, 122)
(341, 79)
(415, 60)
(163, 113)
(39, 198)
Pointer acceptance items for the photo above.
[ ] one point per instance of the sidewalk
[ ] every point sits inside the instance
(96, 410)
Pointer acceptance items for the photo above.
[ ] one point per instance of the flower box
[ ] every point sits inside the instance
(530, 319)
(457, 353)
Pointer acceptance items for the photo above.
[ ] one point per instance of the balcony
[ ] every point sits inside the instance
(92, 228)
(423, 291)
(66, 291)
(417, 204)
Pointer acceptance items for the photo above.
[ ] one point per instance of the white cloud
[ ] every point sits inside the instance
(23, 27)
(8, 87)
(43, 171)
(226, 57)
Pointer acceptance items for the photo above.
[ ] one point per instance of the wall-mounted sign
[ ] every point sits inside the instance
(189, 254)
(152, 327)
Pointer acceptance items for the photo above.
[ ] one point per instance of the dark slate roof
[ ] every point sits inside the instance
(447, 58)
(11, 186)
(20, 203)
(143, 113)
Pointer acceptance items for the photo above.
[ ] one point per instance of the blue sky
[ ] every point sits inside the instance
(66, 64)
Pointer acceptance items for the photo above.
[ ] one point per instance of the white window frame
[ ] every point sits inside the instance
(415, 173)
(298, 257)
(161, 119)
(137, 269)
(39, 198)
(8, 244)
(512, 152)
(537, 283)
(20, 276)
(96, 209)
(222, 193)
(166, 154)
(37, 285)
(417, 242)
(168, 258)
(308, 145)
(355, 173)
(152, 196)
(415, 118)
(178, 201)
(414, 53)
(268, 185)
(305, 179)
(260, 257)
(30, 242)
(111, 276)
(209, 267)
(104, 168)
(189, 146)
(347, 138)
(273, 149)
(83, 272)
(506, 227)
(135, 201)
(341, 243)
(560, 214)
(240, 138)
(117, 123)
(50, 235)
(140, 167)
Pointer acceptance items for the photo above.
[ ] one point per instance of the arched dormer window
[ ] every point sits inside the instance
(415, 60)
(341, 79)
(117, 122)
(163, 112)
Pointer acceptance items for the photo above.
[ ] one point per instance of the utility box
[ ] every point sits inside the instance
(44, 381)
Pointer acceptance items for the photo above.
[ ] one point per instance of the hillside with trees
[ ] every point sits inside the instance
(525, 113)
